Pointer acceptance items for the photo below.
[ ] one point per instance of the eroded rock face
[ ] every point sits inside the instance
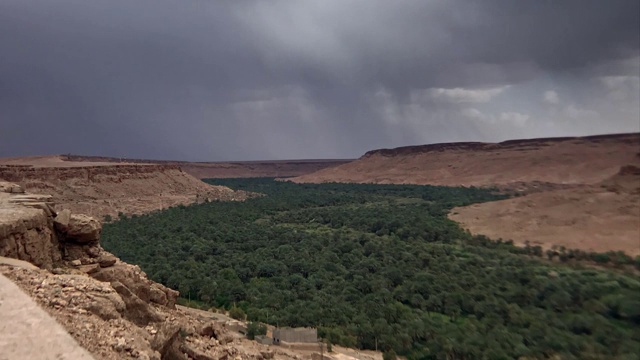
(106, 190)
(26, 234)
(136, 280)
(96, 316)
(108, 306)
(32, 230)
(83, 252)
(136, 310)
(167, 342)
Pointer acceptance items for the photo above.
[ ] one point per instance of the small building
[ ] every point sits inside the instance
(295, 335)
(264, 340)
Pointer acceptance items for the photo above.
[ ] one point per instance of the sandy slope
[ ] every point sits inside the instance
(587, 219)
(582, 192)
(597, 218)
(560, 161)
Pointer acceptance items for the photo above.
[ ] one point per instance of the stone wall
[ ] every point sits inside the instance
(295, 335)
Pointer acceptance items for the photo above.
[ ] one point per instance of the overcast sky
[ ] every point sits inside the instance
(245, 80)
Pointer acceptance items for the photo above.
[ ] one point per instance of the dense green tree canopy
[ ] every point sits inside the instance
(381, 265)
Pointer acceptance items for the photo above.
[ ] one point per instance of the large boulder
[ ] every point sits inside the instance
(136, 310)
(107, 306)
(211, 330)
(107, 260)
(61, 221)
(81, 228)
(167, 342)
(136, 280)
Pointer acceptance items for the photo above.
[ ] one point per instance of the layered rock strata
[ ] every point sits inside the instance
(109, 307)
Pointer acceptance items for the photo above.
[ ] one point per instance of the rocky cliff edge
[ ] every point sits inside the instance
(108, 306)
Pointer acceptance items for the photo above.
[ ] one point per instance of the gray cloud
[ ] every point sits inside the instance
(209, 80)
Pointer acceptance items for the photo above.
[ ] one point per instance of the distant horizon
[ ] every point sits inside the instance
(133, 159)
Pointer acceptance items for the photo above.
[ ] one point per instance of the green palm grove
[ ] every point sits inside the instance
(382, 266)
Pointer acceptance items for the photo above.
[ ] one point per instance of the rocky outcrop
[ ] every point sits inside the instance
(80, 228)
(136, 310)
(108, 306)
(64, 242)
(26, 231)
(96, 316)
(32, 230)
(108, 189)
(135, 279)
(167, 342)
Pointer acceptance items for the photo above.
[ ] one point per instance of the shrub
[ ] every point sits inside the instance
(254, 329)
(601, 258)
(389, 355)
(237, 313)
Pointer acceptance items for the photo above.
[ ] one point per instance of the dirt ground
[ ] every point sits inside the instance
(599, 218)
(587, 219)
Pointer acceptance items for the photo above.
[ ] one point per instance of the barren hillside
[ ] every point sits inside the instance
(587, 219)
(102, 188)
(600, 217)
(586, 160)
(231, 169)
(584, 192)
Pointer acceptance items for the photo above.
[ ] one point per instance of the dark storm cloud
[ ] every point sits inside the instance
(211, 80)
